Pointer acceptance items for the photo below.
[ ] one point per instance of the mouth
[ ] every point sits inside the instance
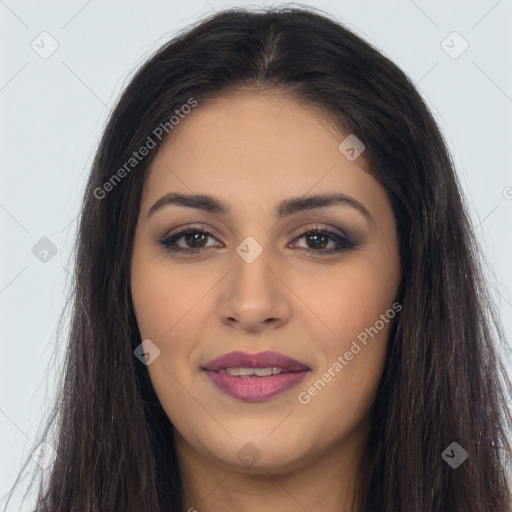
(255, 377)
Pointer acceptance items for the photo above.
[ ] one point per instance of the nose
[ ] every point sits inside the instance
(254, 295)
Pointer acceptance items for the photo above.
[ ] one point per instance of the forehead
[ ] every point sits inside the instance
(257, 148)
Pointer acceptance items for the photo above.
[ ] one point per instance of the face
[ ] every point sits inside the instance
(251, 275)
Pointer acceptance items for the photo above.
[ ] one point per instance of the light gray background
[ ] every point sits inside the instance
(53, 111)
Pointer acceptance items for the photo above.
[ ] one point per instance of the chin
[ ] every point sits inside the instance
(256, 453)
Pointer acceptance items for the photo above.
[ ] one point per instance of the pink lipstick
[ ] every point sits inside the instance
(255, 377)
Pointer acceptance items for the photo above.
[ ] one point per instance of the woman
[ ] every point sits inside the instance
(278, 300)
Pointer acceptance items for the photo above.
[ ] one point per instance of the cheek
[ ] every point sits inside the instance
(163, 296)
(169, 307)
(347, 300)
(354, 303)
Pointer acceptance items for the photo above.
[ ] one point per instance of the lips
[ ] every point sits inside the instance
(261, 360)
(249, 386)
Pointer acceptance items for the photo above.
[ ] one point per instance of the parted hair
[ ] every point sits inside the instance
(443, 381)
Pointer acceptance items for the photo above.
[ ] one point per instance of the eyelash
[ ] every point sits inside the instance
(344, 243)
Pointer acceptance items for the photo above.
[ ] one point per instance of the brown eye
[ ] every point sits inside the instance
(194, 240)
(318, 240)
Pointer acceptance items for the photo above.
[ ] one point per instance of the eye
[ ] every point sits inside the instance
(194, 236)
(318, 239)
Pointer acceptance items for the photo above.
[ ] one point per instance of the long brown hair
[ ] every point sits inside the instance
(443, 381)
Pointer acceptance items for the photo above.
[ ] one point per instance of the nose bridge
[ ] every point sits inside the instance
(253, 294)
(252, 260)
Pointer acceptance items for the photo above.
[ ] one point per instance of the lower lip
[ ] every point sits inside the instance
(255, 389)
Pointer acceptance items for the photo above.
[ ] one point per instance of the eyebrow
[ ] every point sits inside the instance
(284, 208)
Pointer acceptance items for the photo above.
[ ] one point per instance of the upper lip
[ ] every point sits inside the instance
(259, 360)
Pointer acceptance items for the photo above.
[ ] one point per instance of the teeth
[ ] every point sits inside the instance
(247, 372)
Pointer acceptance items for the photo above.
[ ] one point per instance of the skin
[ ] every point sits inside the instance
(251, 151)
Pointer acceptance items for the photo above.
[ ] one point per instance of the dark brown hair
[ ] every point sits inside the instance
(442, 380)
